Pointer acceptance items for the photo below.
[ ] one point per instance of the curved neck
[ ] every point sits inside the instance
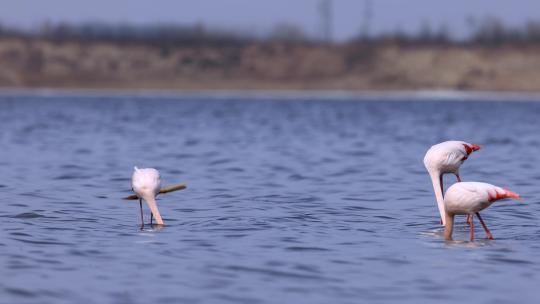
(449, 227)
(436, 180)
(151, 201)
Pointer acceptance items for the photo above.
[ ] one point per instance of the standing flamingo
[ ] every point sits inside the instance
(146, 185)
(442, 158)
(469, 198)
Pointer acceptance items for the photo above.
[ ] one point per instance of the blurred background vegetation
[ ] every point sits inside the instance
(493, 56)
(487, 32)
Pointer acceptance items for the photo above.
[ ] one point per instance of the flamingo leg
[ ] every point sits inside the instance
(488, 233)
(142, 218)
(442, 191)
(151, 217)
(472, 228)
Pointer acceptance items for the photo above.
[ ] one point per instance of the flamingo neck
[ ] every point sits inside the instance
(151, 201)
(449, 227)
(436, 180)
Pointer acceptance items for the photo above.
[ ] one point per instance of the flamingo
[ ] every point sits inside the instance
(442, 158)
(469, 198)
(146, 183)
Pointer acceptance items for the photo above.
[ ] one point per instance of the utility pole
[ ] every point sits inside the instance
(325, 9)
(368, 14)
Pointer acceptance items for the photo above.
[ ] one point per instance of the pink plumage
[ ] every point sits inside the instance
(470, 198)
(443, 158)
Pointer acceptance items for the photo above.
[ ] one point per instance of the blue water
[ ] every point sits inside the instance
(290, 200)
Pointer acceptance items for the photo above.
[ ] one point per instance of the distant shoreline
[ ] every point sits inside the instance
(398, 95)
(271, 67)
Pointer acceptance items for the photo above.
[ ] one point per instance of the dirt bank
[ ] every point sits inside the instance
(36, 63)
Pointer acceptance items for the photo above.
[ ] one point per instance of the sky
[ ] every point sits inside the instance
(259, 17)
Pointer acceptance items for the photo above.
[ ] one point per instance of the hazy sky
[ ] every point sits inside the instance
(260, 16)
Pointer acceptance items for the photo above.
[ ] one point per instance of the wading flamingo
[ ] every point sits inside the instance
(442, 158)
(469, 198)
(146, 183)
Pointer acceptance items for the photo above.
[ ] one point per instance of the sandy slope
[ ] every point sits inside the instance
(267, 67)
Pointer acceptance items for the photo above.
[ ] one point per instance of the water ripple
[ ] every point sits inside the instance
(309, 200)
(28, 215)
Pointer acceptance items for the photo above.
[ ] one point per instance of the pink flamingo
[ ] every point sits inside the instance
(469, 198)
(146, 183)
(442, 158)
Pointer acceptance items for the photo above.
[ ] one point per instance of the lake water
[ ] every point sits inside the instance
(292, 199)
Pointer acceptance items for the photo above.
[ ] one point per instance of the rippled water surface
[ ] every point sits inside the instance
(289, 200)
